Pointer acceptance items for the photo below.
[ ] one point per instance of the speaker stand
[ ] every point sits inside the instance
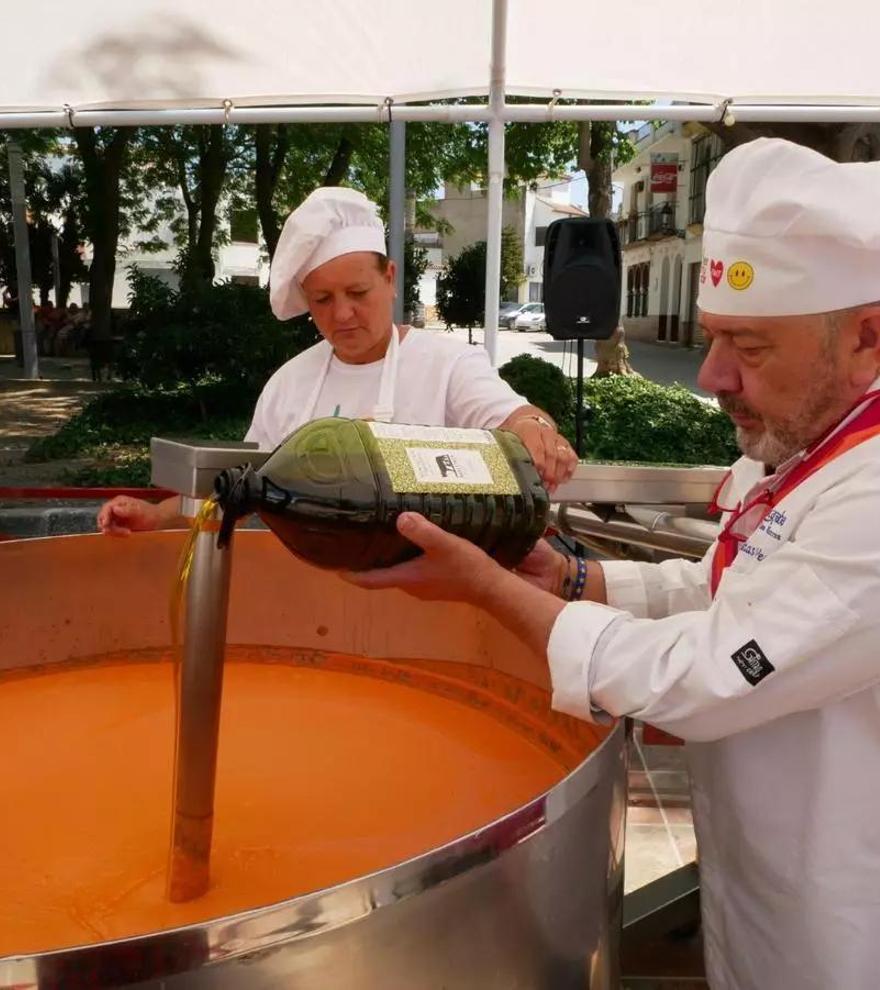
(579, 548)
(579, 402)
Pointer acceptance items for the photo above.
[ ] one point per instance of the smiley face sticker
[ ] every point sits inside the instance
(740, 275)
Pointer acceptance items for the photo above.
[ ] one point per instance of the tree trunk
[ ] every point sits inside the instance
(612, 356)
(213, 160)
(339, 165)
(594, 157)
(102, 167)
(269, 162)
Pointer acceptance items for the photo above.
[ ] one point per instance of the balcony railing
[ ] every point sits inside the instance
(657, 222)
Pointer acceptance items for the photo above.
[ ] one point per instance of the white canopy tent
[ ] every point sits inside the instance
(215, 61)
(199, 53)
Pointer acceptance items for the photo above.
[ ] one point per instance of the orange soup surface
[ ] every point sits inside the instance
(325, 773)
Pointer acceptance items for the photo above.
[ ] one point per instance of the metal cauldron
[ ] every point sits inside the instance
(531, 900)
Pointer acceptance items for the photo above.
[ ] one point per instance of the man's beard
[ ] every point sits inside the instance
(778, 439)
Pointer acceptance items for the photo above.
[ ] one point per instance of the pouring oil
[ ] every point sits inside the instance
(188, 854)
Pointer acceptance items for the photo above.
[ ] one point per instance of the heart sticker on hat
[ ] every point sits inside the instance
(716, 270)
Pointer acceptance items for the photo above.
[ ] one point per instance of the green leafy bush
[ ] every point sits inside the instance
(133, 414)
(206, 334)
(629, 418)
(634, 419)
(544, 385)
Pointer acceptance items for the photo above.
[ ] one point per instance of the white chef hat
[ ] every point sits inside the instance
(329, 222)
(788, 232)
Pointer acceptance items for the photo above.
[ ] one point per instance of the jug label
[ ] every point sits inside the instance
(447, 462)
(435, 434)
(447, 465)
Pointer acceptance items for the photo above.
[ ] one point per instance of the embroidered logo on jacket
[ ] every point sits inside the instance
(752, 663)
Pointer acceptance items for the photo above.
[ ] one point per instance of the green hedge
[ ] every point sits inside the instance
(629, 418)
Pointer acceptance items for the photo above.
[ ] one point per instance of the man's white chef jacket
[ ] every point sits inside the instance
(776, 687)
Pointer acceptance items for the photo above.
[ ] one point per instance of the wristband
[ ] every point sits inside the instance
(580, 581)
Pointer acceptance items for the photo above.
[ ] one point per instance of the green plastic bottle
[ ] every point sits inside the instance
(332, 491)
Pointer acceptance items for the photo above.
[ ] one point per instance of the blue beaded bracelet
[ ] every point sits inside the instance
(580, 580)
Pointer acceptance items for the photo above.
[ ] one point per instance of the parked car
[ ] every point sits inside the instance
(530, 317)
(506, 312)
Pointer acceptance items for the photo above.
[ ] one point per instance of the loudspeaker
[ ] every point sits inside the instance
(582, 278)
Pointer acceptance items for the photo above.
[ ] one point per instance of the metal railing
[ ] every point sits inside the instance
(658, 221)
(613, 532)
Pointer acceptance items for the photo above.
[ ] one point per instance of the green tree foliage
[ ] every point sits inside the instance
(460, 288)
(197, 170)
(511, 263)
(53, 192)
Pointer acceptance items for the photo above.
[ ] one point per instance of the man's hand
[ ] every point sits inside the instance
(453, 570)
(124, 515)
(553, 455)
(450, 569)
(544, 568)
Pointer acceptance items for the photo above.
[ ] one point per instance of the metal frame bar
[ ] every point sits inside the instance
(495, 183)
(458, 113)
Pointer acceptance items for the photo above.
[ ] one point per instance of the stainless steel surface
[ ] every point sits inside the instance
(673, 520)
(617, 484)
(200, 693)
(682, 539)
(191, 467)
(530, 901)
(396, 208)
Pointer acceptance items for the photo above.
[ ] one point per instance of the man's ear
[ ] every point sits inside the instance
(869, 329)
(866, 352)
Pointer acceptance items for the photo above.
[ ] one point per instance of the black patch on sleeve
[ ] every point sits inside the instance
(752, 663)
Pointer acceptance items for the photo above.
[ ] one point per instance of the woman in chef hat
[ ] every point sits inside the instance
(331, 262)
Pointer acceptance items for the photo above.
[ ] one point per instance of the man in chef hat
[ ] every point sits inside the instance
(765, 656)
(330, 262)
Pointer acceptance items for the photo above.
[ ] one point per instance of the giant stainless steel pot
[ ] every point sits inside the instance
(531, 900)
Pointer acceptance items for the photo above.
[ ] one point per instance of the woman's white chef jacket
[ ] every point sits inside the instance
(776, 687)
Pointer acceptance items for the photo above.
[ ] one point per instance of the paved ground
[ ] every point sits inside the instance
(664, 363)
(31, 409)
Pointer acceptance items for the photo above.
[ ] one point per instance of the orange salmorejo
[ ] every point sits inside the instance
(330, 767)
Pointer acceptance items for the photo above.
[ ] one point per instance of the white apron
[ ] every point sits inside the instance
(383, 411)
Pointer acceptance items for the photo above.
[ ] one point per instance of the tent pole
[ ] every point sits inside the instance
(396, 210)
(495, 190)
(22, 262)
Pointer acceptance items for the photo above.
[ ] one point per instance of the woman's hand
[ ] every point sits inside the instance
(124, 515)
(553, 455)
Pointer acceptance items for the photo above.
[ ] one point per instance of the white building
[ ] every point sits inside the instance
(661, 231)
(529, 211)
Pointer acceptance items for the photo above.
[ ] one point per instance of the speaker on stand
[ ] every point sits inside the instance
(582, 285)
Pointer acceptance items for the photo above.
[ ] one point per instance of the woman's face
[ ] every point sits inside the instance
(351, 302)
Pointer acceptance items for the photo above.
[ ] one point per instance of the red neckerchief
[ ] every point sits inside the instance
(859, 424)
